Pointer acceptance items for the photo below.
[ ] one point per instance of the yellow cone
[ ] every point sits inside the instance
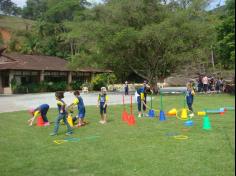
(184, 114)
(70, 121)
(172, 112)
(201, 113)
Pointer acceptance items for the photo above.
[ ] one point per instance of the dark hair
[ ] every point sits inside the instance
(76, 92)
(59, 94)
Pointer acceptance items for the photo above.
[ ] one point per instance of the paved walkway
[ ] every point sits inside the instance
(11, 103)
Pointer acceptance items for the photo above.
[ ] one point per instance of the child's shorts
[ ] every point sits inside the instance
(81, 113)
(102, 109)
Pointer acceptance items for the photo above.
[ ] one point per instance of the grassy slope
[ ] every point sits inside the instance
(14, 23)
(143, 149)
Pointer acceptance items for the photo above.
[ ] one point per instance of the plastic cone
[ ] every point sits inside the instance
(184, 114)
(125, 116)
(131, 120)
(172, 112)
(151, 113)
(162, 116)
(188, 123)
(40, 121)
(206, 123)
(70, 120)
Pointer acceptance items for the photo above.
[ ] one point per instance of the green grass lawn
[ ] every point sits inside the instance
(122, 150)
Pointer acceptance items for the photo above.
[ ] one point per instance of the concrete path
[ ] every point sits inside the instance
(11, 103)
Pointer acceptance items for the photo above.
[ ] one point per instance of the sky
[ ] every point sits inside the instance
(214, 3)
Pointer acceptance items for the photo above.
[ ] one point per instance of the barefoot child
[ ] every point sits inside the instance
(102, 104)
(40, 110)
(81, 108)
(62, 114)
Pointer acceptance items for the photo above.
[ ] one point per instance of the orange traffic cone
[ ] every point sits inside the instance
(222, 113)
(125, 116)
(131, 120)
(40, 121)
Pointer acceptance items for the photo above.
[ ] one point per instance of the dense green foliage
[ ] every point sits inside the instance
(7, 7)
(149, 38)
(226, 37)
(103, 80)
(40, 87)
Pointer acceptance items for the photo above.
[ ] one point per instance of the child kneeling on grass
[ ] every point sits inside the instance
(102, 104)
(81, 108)
(62, 114)
(42, 109)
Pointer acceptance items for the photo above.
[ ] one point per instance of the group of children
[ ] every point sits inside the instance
(63, 111)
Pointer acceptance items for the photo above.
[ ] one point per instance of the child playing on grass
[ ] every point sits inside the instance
(141, 97)
(81, 108)
(62, 114)
(40, 110)
(189, 97)
(102, 104)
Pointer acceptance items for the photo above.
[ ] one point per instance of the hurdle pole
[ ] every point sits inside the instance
(123, 100)
(131, 106)
(184, 101)
(151, 100)
(161, 102)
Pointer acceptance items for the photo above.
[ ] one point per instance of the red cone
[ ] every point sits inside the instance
(222, 113)
(125, 116)
(131, 120)
(40, 121)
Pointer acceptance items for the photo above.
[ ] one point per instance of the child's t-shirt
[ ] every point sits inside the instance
(140, 93)
(61, 106)
(79, 102)
(102, 98)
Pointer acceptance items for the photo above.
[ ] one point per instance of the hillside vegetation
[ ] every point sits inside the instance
(15, 23)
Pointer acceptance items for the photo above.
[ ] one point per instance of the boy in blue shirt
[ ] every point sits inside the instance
(102, 104)
(141, 97)
(40, 110)
(81, 108)
(62, 114)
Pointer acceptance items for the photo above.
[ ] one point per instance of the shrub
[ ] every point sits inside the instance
(102, 80)
(76, 85)
(99, 81)
(88, 85)
(57, 86)
(18, 89)
(39, 87)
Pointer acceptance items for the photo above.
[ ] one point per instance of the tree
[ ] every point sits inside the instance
(140, 36)
(34, 9)
(9, 8)
(226, 37)
(64, 10)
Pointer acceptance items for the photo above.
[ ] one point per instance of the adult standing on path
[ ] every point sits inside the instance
(126, 88)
